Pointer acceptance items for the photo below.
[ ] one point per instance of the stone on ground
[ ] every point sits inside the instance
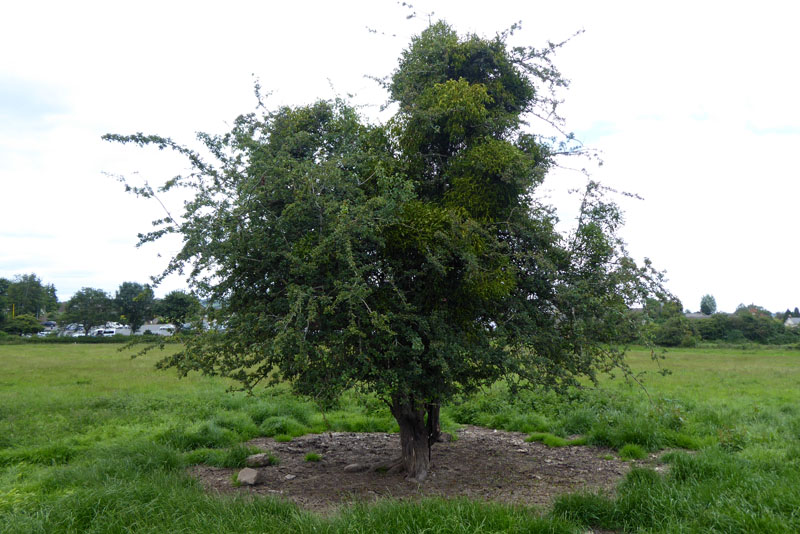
(249, 477)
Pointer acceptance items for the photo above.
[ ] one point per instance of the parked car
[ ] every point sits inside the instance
(109, 332)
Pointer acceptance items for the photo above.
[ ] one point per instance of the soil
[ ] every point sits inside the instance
(481, 464)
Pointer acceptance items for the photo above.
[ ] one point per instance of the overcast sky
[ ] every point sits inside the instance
(694, 106)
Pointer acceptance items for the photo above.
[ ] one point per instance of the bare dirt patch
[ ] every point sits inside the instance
(482, 464)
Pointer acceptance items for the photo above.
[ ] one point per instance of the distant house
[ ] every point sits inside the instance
(792, 322)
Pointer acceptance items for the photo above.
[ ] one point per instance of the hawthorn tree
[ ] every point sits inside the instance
(409, 259)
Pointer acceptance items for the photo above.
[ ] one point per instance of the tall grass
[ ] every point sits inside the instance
(92, 441)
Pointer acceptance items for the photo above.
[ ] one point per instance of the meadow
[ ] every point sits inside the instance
(94, 441)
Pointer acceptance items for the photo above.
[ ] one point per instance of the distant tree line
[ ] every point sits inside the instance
(670, 327)
(25, 302)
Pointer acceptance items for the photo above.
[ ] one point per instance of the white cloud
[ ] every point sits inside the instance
(693, 105)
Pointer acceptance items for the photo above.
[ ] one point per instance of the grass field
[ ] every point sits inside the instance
(92, 441)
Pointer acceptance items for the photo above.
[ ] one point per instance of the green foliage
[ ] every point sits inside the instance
(135, 303)
(53, 454)
(632, 451)
(5, 307)
(27, 295)
(548, 439)
(203, 435)
(708, 305)
(677, 331)
(282, 425)
(313, 457)
(66, 340)
(89, 307)
(233, 457)
(23, 324)
(748, 324)
(178, 307)
(407, 259)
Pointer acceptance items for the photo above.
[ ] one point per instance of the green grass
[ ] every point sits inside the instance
(313, 457)
(632, 452)
(92, 441)
(548, 439)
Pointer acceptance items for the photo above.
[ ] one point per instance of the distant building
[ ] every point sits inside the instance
(696, 316)
(792, 322)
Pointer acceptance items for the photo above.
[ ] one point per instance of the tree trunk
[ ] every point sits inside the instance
(434, 432)
(415, 441)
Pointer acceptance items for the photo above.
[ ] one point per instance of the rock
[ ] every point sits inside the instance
(249, 477)
(290, 477)
(258, 460)
(355, 468)
(444, 437)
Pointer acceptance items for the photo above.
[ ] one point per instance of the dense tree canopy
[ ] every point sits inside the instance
(28, 295)
(178, 307)
(134, 302)
(23, 324)
(4, 305)
(90, 307)
(409, 259)
(708, 304)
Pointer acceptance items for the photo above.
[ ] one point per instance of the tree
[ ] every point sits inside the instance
(135, 302)
(410, 259)
(708, 305)
(4, 304)
(752, 309)
(178, 307)
(796, 312)
(27, 295)
(91, 307)
(23, 324)
(676, 331)
(659, 310)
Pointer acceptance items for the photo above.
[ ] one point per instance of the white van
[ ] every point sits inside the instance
(109, 332)
(166, 330)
